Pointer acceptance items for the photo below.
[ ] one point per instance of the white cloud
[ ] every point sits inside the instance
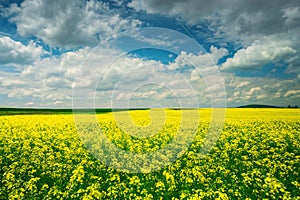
(49, 81)
(204, 75)
(45, 80)
(201, 60)
(294, 93)
(69, 23)
(58, 102)
(160, 40)
(218, 53)
(6, 82)
(243, 84)
(52, 79)
(240, 17)
(240, 22)
(260, 90)
(191, 10)
(16, 53)
(258, 54)
(29, 103)
(128, 77)
(253, 91)
(237, 93)
(26, 91)
(261, 96)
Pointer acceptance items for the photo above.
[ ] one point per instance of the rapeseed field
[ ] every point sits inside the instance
(256, 156)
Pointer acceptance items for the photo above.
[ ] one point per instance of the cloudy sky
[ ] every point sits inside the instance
(154, 53)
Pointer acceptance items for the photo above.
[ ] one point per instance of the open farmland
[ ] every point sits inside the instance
(256, 156)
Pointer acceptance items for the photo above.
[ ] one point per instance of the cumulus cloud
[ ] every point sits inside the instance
(29, 103)
(243, 16)
(236, 21)
(133, 79)
(51, 80)
(58, 102)
(253, 91)
(50, 72)
(191, 10)
(260, 90)
(46, 80)
(243, 84)
(276, 25)
(200, 60)
(7, 82)
(292, 93)
(258, 54)
(15, 53)
(70, 23)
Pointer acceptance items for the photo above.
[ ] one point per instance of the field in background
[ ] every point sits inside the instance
(257, 156)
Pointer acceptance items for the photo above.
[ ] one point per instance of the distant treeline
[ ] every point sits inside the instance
(28, 111)
(265, 106)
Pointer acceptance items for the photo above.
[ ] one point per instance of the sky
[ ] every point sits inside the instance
(154, 53)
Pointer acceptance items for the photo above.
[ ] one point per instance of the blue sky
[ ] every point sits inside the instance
(149, 53)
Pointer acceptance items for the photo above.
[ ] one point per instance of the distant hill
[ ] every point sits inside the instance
(259, 106)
